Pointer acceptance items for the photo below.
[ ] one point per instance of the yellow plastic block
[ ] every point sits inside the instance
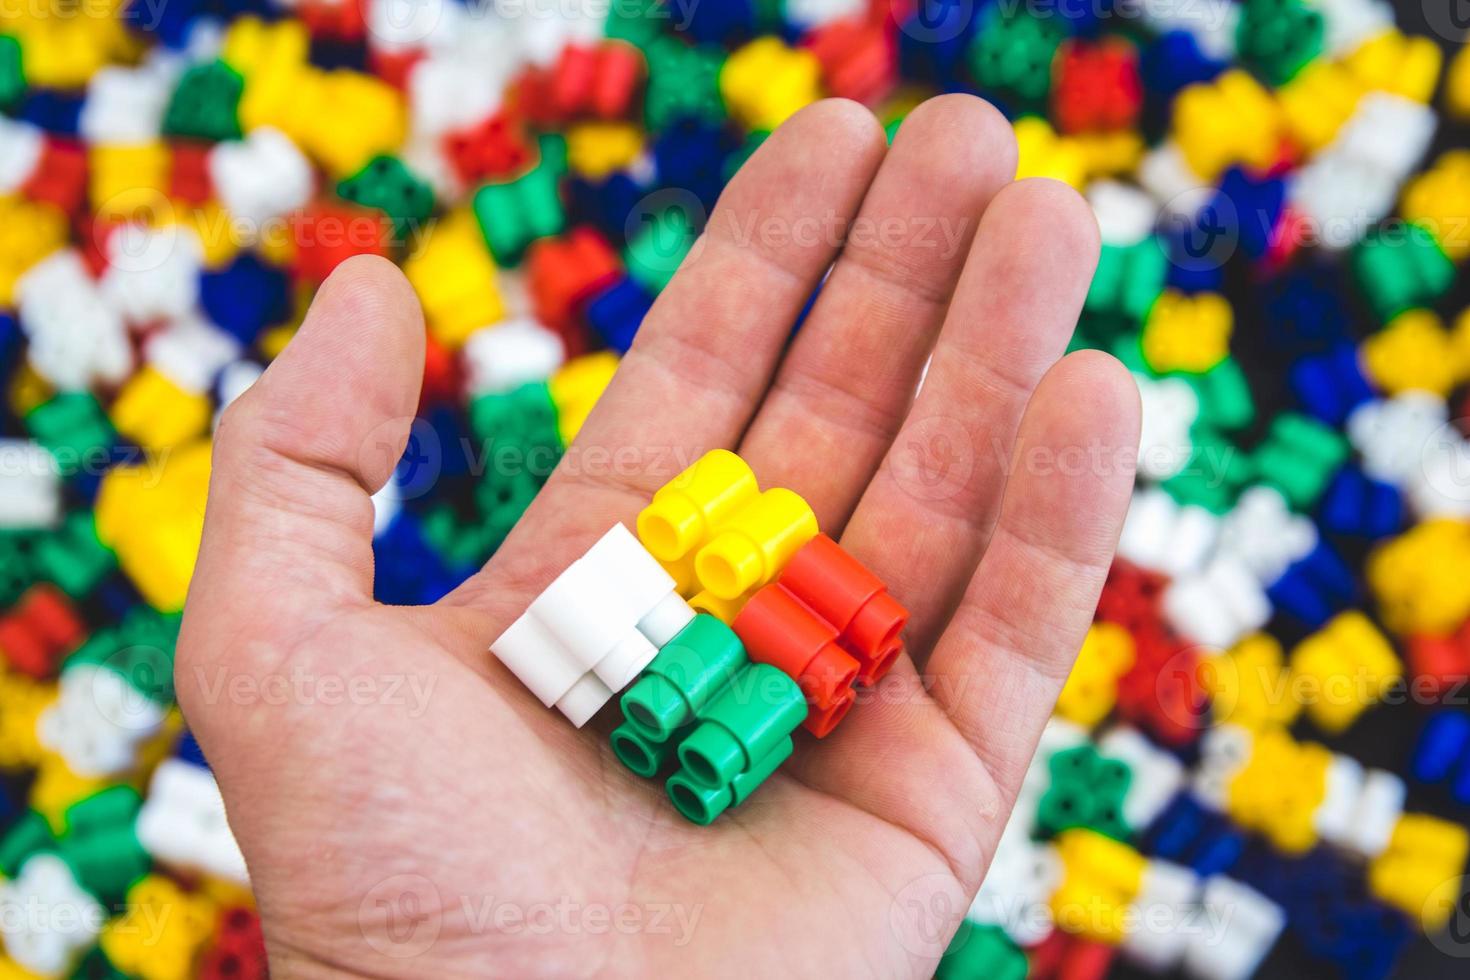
(1109, 154)
(22, 700)
(765, 81)
(1318, 101)
(11, 970)
(1420, 872)
(1279, 789)
(597, 149)
(129, 181)
(755, 544)
(576, 387)
(272, 58)
(65, 44)
(29, 231)
(1391, 62)
(56, 788)
(1249, 685)
(1043, 153)
(160, 933)
(345, 118)
(1343, 669)
(218, 235)
(1092, 687)
(1419, 578)
(455, 279)
(1439, 200)
(152, 515)
(1412, 353)
(1457, 86)
(1101, 879)
(686, 511)
(157, 414)
(1225, 122)
(1187, 333)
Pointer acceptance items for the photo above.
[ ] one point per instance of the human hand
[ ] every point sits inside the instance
(391, 838)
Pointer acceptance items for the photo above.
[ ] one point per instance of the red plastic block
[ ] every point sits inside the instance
(188, 176)
(1063, 956)
(1097, 86)
(329, 233)
(1131, 597)
(1439, 664)
(778, 629)
(332, 19)
(40, 630)
(443, 380)
(564, 272)
(859, 60)
(588, 81)
(492, 149)
(841, 590)
(60, 176)
(238, 952)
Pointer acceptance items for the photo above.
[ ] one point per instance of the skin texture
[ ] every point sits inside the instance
(472, 831)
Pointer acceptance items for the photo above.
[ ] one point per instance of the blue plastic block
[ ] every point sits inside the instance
(1329, 386)
(689, 157)
(1306, 311)
(605, 204)
(1357, 505)
(618, 311)
(246, 296)
(1252, 207)
(1315, 587)
(1174, 60)
(726, 22)
(188, 750)
(1443, 748)
(406, 570)
(933, 40)
(55, 112)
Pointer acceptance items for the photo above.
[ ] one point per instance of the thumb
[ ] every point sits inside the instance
(288, 527)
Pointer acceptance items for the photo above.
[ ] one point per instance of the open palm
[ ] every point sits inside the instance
(471, 831)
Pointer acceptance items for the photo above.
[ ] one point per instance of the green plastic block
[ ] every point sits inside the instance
(981, 952)
(1277, 38)
(1299, 457)
(72, 557)
(29, 834)
(12, 75)
(644, 755)
(73, 427)
(513, 214)
(519, 444)
(700, 803)
(1216, 472)
(1225, 399)
(757, 710)
(688, 673)
(683, 83)
(1011, 55)
(638, 22)
(466, 544)
(1401, 270)
(140, 650)
(99, 843)
(17, 564)
(206, 103)
(96, 966)
(1087, 790)
(654, 255)
(1127, 282)
(386, 184)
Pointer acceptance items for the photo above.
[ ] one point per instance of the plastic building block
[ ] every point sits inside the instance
(1091, 689)
(386, 185)
(1187, 333)
(1097, 86)
(688, 672)
(206, 103)
(1419, 872)
(1351, 664)
(778, 629)
(515, 213)
(1277, 37)
(1086, 790)
(683, 82)
(564, 272)
(327, 234)
(182, 822)
(455, 279)
(1102, 879)
(617, 312)
(981, 951)
(39, 631)
(1402, 271)
(594, 628)
(765, 81)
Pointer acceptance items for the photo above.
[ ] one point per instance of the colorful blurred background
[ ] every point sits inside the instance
(1261, 765)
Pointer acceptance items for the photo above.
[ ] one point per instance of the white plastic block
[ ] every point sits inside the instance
(1125, 215)
(1161, 536)
(191, 352)
(261, 178)
(98, 721)
(1218, 605)
(1241, 925)
(1169, 409)
(816, 13)
(1440, 486)
(453, 91)
(30, 485)
(182, 823)
(126, 105)
(509, 354)
(76, 338)
(1017, 888)
(1348, 23)
(595, 627)
(1166, 175)
(1165, 911)
(50, 920)
(1333, 818)
(1265, 535)
(152, 273)
(1224, 752)
(1379, 808)
(1391, 434)
(1341, 196)
(21, 145)
(397, 26)
(1157, 775)
(387, 504)
(1411, 124)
